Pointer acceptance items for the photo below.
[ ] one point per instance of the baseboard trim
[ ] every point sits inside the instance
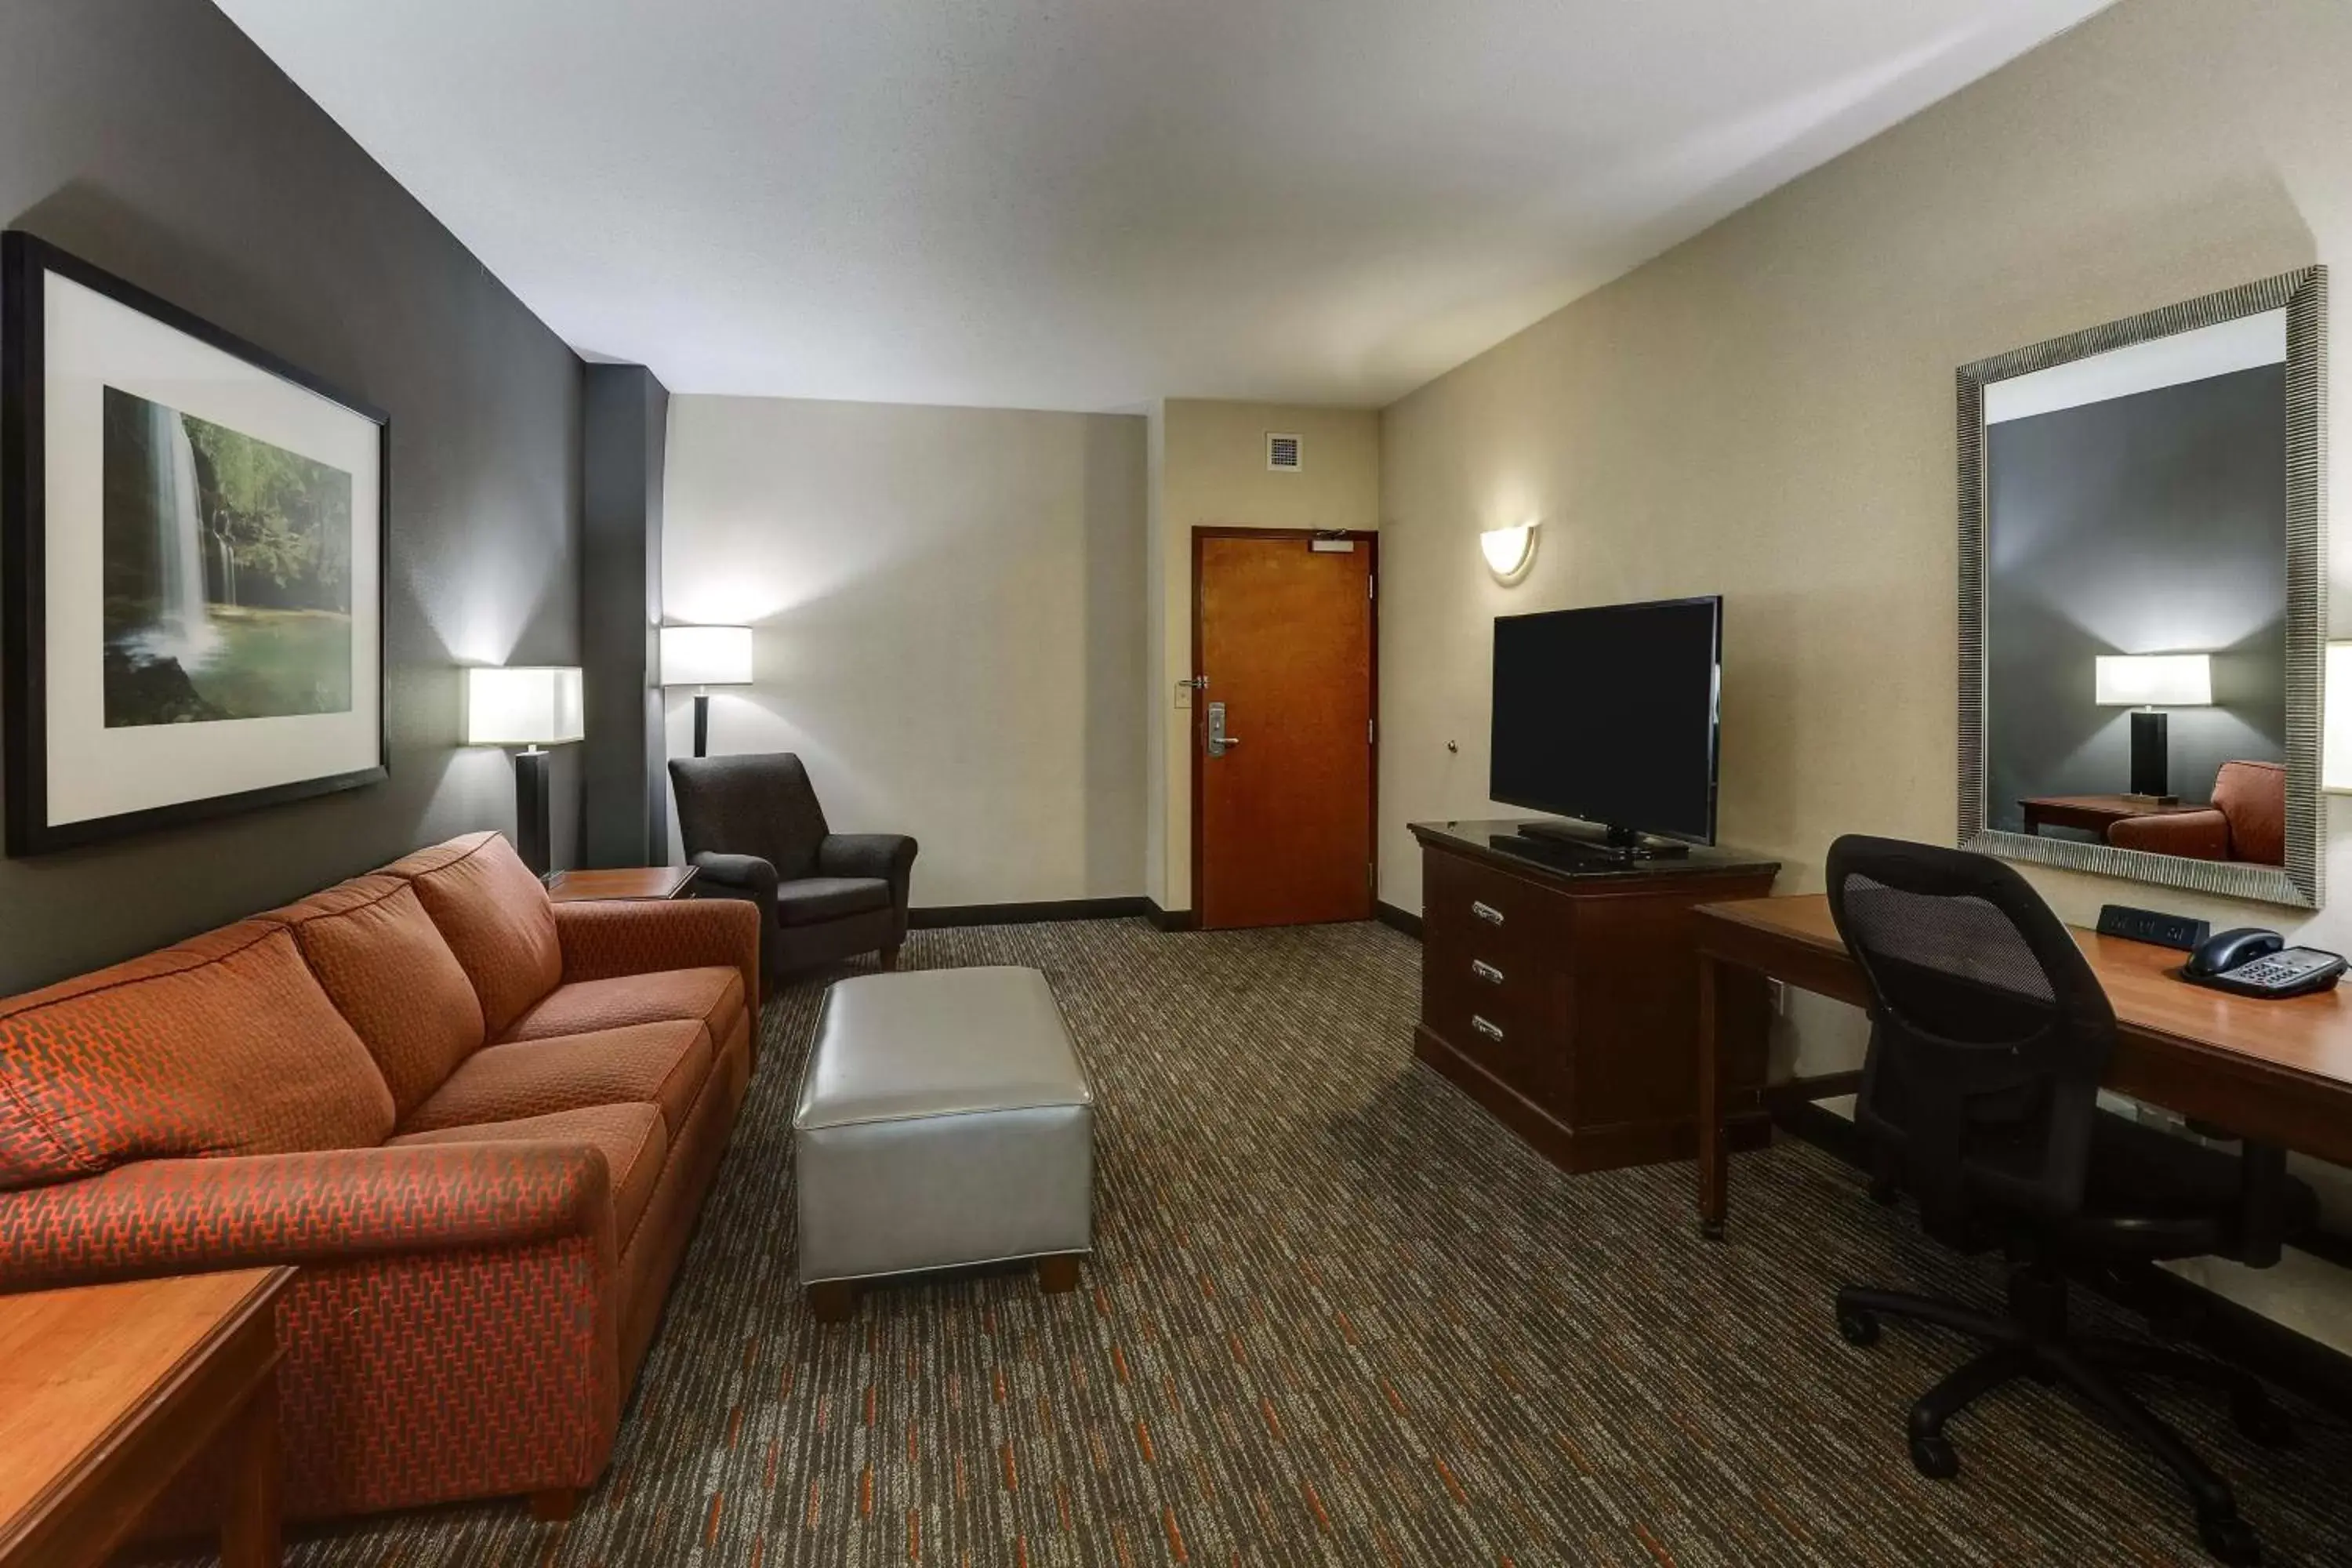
(1170, 920)
(1397, 919)
(941, 915)
(2220, 1326)
(1797, 1095)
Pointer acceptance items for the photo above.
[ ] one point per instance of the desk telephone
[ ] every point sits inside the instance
(2252, 961)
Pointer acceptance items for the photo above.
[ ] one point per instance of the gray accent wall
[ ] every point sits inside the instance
(624, 421)
(152, 138)
(2153, 523)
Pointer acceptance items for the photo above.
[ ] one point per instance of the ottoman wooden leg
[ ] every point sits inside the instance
(1058, 1273)
(887, 960)
(833, 1300)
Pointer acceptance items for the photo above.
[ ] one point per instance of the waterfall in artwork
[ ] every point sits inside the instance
(184, 628)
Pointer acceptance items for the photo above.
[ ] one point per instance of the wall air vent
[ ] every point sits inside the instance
(1282, 454)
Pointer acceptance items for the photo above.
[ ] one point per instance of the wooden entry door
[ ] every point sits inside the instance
(1283, 635)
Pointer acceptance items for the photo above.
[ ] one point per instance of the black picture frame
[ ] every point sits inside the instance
(26, 262)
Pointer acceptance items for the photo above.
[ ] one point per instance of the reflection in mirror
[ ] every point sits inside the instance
(2139, 596)
(2136, 596)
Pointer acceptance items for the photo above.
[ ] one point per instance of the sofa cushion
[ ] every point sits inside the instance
(223, 1045)
(661, 1064)
(496, 918)
(813, 900)
(388, 972)
(632, 1139)
(711, 997)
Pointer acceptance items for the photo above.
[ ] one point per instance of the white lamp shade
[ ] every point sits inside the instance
(523, 705)
(1508, 549)
(2155, 680)
(2335, 742)
(706, 656)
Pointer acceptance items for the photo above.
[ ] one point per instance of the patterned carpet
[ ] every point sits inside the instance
(1338, 1316)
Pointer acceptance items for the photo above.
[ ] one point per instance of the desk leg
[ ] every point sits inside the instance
(1713, 1170)
(250, 1534)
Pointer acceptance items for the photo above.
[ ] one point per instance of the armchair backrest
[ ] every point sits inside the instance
(759, 804)
(2252, 797)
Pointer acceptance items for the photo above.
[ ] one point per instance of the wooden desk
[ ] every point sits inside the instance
(108, 1393)
(620, 882)
(2093, 813)
(2275, 1072)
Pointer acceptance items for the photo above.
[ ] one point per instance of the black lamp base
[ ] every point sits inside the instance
(2151, 764)
(531, 809)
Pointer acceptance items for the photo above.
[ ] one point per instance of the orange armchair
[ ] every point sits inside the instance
(2247, 820)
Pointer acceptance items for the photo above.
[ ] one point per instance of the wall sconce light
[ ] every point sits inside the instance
(2336, 732)
(531, 706)
(702, 657)
(1508, 551)
(2152, 683)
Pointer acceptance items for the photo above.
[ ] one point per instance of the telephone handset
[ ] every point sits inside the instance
(2252, 961)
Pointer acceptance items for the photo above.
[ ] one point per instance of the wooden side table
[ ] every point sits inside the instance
(2093, 813)
(622, 882)
(108, 1393)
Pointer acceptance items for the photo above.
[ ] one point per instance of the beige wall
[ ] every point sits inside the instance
(950, 626)
(1767, 412)
(1208, 469)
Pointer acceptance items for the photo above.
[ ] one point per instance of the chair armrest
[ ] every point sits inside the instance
(736, 877)
(605, 938)
(174, 1216)
(889, 856)
(2198, 834)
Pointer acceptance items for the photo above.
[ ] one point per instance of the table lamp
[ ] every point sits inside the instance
(702, 657)
(2151, 682)
(532, 706)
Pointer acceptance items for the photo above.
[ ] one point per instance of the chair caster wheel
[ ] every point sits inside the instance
(2229, 1539)
(1935, 1459)
(1859, 1328)
(2262, 1422)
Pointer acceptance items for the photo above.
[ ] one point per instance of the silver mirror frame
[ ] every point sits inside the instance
(2304, 296)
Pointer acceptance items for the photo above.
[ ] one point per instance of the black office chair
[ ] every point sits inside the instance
(1989, 1036)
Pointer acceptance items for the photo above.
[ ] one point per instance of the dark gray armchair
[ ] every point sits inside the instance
(753, 827)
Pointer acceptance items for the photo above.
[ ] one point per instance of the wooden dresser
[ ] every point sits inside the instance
(1565, 997)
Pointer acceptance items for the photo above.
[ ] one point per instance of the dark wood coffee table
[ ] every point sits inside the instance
(108, 1393)
(2094, 812)
(620, 882)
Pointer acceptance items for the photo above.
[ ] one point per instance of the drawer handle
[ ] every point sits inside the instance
(1492, 1031)
(1487, 912)
(1485, 971)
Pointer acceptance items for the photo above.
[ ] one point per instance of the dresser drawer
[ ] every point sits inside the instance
(1502, 918)
(1486, 988)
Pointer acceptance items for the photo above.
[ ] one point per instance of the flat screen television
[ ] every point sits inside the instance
(1609, 715)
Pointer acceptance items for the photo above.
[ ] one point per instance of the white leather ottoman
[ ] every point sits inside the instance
(943, 1120)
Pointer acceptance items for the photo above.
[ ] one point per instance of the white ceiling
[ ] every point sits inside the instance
(1089, 204)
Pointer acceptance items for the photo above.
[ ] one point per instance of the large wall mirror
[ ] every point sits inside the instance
(2140, 583)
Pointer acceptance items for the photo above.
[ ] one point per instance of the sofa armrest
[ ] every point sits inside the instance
(170, 1216)
(889, 856)
(603, 939)
(2196, 835)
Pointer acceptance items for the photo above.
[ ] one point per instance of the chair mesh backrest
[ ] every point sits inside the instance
(1988, 1030)
(756, 804)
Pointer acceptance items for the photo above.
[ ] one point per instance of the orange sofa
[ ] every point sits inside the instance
(482, 1124)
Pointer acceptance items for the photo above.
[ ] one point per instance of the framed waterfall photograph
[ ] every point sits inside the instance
(192, 549)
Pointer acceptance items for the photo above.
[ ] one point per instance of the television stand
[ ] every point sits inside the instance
(1620, 844)
(1564, 994)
